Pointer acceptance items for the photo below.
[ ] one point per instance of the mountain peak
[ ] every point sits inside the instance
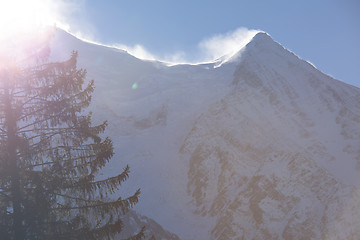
(263, 42)
(260, 43)
(261, 37)
(261, 49)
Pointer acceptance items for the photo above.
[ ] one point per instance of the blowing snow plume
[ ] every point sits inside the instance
(225, 44)
(207, 50)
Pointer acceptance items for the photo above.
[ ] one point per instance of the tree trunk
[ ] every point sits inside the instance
(12, 161)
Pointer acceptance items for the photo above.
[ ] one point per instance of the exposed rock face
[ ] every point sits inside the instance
(260, 162)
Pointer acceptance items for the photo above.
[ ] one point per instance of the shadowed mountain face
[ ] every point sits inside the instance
(259, 146)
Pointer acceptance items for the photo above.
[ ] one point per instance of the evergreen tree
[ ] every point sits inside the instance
(50, 155)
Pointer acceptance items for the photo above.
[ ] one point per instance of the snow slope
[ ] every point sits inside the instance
(258, 146)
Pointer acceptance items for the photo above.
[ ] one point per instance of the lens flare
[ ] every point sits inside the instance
(134, 86)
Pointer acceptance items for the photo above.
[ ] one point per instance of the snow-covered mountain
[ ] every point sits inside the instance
(259, 145)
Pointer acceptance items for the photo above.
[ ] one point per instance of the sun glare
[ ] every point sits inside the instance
(22, 25)
(22, 16)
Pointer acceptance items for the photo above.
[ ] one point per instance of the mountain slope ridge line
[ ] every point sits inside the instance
(263, 146)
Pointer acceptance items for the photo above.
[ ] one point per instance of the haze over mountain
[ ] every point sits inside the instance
(258, 145)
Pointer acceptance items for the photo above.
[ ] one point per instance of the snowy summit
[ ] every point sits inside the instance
(257, 145)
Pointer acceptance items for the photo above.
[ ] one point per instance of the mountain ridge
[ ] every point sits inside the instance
(262, 146)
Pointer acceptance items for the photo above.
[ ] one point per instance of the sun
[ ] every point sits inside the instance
(25, 25)
(18, 16)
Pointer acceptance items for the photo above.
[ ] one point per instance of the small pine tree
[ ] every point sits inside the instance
(50, 155)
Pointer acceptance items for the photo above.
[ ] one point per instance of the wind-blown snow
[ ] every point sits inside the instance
(259, 144)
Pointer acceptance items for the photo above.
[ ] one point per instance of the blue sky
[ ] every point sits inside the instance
(324, 32)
